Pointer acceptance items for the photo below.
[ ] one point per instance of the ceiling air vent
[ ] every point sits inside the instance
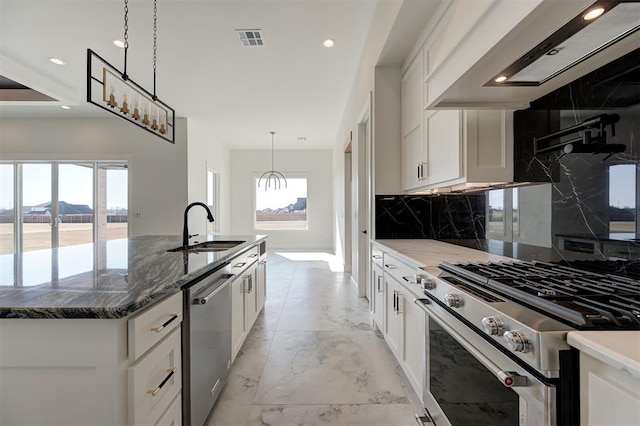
(250, 38)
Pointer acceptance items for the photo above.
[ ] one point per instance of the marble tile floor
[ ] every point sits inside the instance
(313, 358)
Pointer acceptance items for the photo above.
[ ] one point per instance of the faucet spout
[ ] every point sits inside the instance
(185, 228)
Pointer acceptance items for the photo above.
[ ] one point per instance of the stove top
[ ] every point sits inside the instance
(580, 298)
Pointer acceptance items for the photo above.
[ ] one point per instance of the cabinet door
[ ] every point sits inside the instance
(393, 318)
(411, 96)
(378, 297)
(238, 316)
(413, 158)
(251, 295)
(413, 341)
(261, 285)
(443, 133)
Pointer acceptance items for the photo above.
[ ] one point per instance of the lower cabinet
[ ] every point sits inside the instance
(377, 298)
(608, 395)
(247, 300)
(93, 371)
(401, 321)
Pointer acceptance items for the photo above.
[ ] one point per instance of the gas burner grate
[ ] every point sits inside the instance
(623, 268)
(580, 298)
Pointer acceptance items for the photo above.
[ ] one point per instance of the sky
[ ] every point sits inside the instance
(75, 185)
(273, 198)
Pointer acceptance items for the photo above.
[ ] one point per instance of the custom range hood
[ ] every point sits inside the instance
(596, 28)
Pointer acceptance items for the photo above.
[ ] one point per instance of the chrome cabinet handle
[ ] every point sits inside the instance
(389, 266)
(379, 283)
(249, 281)
(253, 255)
(171, 371)
(376, 256)
(240, 265)
(398, 295)
(166, 323)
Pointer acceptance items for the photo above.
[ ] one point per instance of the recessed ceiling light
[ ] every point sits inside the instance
(56, 61)
(302, 138)
(501, 78)
(328, 43)
(119, 43)
(65, 107)
(593, 13)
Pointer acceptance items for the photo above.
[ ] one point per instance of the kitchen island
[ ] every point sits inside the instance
(91, 334)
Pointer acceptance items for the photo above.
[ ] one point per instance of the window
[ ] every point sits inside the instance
(496, 213)
(284, 208)
(622, 198)
(61, 204)
(213, 191)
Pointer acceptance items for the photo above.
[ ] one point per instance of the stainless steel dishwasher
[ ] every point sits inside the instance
(206, 344)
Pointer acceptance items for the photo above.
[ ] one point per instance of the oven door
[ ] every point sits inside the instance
(471, 382)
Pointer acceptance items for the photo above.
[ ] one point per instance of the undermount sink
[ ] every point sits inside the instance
(219, 245)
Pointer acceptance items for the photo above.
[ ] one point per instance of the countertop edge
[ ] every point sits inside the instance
(612, 348)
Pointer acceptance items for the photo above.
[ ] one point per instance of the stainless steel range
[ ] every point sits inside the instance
(497, 351)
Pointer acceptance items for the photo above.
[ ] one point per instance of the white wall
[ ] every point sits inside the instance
(157, 168)
(316, 163)
(204, 149)
(382, 23)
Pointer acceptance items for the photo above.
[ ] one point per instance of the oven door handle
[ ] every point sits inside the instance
(510, 379)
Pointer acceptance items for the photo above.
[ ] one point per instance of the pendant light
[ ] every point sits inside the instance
(114, 91)
(272, 176)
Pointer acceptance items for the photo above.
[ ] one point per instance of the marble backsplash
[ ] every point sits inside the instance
(430, 216)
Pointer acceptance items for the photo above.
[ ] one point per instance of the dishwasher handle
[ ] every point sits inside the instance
(203, 300)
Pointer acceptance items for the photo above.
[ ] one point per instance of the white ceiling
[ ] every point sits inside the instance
(293, 85)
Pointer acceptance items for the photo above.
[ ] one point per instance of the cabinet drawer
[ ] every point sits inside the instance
(154, 381)
(241, 262)
(151, 326)
(402, 272)
(376, 256)
(173, 415)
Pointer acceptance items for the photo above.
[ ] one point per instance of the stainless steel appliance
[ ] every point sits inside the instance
(206, 343)
(496, 332)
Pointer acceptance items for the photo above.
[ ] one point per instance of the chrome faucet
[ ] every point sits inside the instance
(185, 229)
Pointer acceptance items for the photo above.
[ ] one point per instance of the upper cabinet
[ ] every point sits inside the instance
(450, 149)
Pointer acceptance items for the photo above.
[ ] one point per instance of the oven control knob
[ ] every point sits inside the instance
(517, 341)
(452, 300)
(425, 282)
(493, 325)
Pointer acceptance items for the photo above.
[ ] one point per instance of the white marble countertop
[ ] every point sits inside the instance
(429, 253)
(618, 349)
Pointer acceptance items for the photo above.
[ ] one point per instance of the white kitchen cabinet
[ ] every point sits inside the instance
(378, 299)
(609, 377)
(465, 148)
(238, 316)
(444, 143)
(84, 371)
(413, 340)
(413, 150)
(261, 285)
(244, 304)
(393, 319)
(403, 319)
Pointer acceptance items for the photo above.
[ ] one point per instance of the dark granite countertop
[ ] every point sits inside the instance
(625, 238)
(103, 280)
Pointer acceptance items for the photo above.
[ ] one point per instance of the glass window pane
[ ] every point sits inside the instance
(75, 204)
(283, 208)
(6, 209)
(622, 198)
(495, 217)
(117, 203)
(36, 207)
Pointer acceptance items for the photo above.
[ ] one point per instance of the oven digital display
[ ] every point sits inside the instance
(465, 390)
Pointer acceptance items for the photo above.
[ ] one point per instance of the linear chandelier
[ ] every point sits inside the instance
(272, 176)
(114, 91)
